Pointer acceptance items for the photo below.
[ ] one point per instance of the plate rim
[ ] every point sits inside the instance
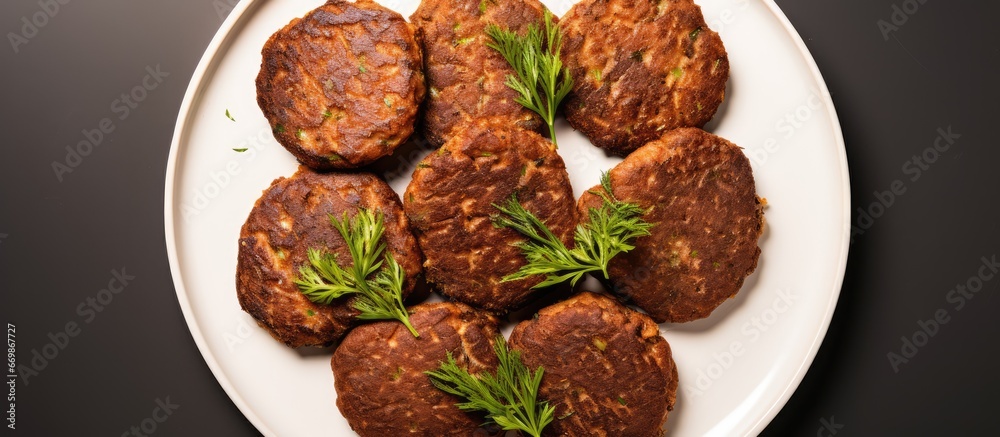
(211, 58)
(845, 242)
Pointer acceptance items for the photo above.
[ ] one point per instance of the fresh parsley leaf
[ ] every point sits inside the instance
(609, 231)
(540, 79)
(380, 297)
(509, 397)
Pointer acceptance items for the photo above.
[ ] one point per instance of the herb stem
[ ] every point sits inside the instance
(609, 231)
(379, 297)
(509, 397)
(537, 65)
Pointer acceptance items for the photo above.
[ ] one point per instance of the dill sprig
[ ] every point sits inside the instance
(610, 231)
(380, 297)
(509, 398)
(540, 80)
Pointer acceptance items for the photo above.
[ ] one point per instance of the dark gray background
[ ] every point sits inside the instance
(60, 241)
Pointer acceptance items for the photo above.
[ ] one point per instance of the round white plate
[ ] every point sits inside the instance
(737, 368)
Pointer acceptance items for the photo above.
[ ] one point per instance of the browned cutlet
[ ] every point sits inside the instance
(291, 217)
(466, 79)
(701, 198)
(378, 371)
(341, 86)
(608, 372)
(450, 201)
(640, 68)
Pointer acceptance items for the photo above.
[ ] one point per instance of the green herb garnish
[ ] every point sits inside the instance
(377, 282)
(240, 149)
(509, 398)
(609, 231)
(229, 116)
(540, 78)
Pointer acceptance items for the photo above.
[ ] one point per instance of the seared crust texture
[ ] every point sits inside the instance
(341, 86)
(640, 68)
(466, 79)
(700, 195)
(289, 218)
(379, 370)
(608, 372)
(450, 201)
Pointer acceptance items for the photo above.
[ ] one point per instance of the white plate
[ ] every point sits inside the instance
(737, 368)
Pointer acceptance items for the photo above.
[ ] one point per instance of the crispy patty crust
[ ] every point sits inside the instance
(466, 79)
(379, 370)
(608, 372)
(700, 194)
(450, 201)
(341, 86)
(289, 218)
(640, 68)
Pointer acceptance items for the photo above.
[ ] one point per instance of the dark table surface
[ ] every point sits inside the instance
(911, 348)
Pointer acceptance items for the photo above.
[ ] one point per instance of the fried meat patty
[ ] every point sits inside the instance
(379, 370)
(466, 79)
(700, 195)
(450, 201)
(608, 372)
(640, 68)
(341, 86)
(289, 218)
